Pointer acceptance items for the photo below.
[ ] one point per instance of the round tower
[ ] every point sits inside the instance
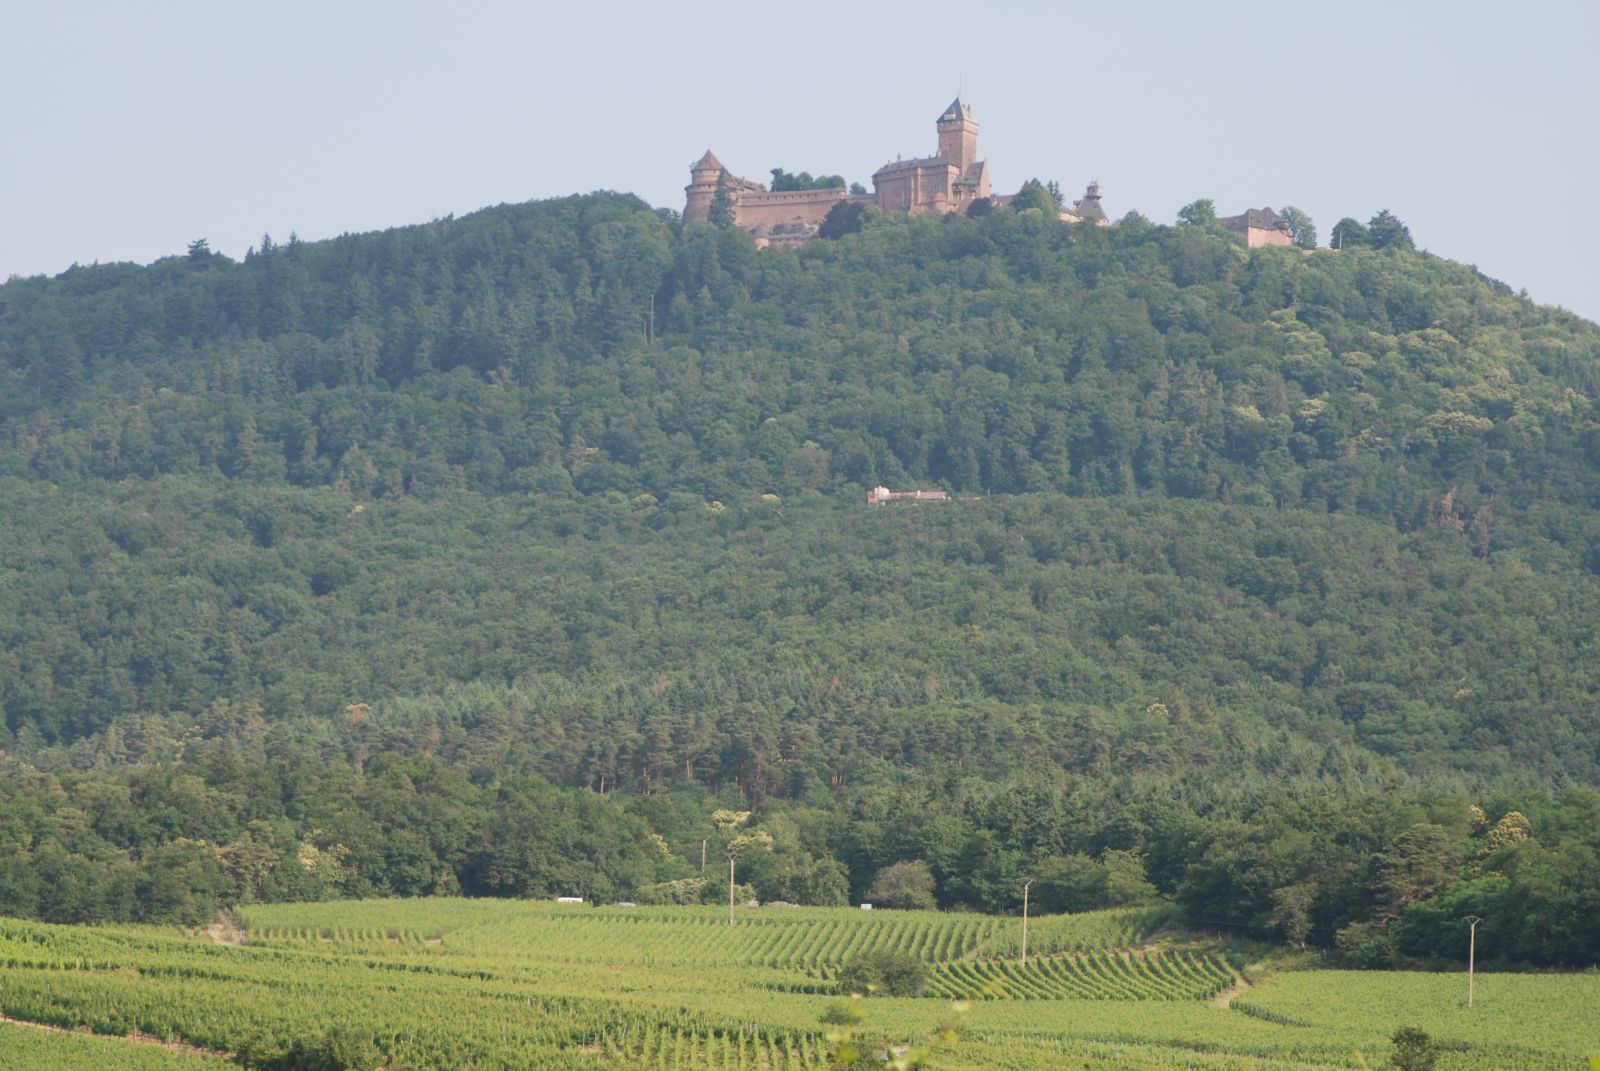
(702, 188)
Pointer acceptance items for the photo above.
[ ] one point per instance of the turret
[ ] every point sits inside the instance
(704, 174)
(1088, 207)
(958, 136)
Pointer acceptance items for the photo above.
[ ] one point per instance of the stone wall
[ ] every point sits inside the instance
(1256, 237)
(791, 207)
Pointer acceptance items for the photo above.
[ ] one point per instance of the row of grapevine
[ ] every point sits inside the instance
(790, 938)
(1092, 976)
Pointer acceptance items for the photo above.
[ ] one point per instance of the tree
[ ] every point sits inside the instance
(1291, 912)
(1125, 878)
(1035, 194)
(199, 250)
(885, 973)
(1349, 234)
(908, 885)
(983, 206)
(783, 181)
(842, 219)
(736, 844)
(1201, 213)
(1067, 883)
(1418, 862)
(1302, 232)
(1385, 231)
(721, 213)
(1414, 1050)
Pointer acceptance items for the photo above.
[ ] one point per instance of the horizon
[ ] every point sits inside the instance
(153, 130)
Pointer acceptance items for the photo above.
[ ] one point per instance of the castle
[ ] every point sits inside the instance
(1259, 227)
(951, 180)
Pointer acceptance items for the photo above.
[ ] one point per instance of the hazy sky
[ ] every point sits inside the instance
(133, 128)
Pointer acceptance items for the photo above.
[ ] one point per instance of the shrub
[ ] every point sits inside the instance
(884, 973)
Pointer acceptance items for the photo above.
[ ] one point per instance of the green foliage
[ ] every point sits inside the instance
(906, 885)
(1200, 213)
(1302, 231)
(783, 181)
(1153, 976)
(517, 543)
(1349, 234)
(452, 984)
(39, 1050)
(1384, 231)
(1035, 194)
(884, 972)
(721, 213)
(1414, 1050)
(846, 217)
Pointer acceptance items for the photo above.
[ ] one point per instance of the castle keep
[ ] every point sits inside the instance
(949, 181)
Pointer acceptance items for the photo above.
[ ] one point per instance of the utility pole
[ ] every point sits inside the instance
(703, 841)
(731, 858)
(1472, 952)
(1025, 920)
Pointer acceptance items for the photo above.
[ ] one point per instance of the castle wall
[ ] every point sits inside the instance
(914, 189)
(792, 207)
(1256, 237)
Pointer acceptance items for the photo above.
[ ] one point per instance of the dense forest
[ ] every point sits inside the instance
(495, 555)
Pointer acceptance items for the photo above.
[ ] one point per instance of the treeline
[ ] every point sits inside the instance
(246, 817)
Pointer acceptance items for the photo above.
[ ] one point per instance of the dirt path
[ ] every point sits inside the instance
(225, 930)
(134, 1038)
(1225, 998)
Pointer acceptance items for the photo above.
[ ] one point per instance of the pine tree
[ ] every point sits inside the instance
(721, 214)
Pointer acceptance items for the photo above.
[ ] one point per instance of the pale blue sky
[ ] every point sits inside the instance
(132, 128)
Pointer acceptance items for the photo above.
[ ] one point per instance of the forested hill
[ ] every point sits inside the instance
(565, 493)
(583, 345)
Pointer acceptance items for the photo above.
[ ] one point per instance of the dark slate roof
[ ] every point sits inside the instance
(906, 165)
(957, 112)
(1260, 218)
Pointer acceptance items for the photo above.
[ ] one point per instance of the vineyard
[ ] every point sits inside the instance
(1090, 976)
(449, 983)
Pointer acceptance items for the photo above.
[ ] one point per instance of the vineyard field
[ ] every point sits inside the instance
(42, 1050)
(458, 984)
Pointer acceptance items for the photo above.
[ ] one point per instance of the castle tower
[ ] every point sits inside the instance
(702, 188)
(958, 136)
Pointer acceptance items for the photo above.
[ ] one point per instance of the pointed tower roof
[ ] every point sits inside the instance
(708, 162)
(957, 112)
(1089, 206)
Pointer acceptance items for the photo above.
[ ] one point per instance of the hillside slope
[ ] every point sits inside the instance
(558, 494)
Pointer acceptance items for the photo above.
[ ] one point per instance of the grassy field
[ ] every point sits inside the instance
(442, 984)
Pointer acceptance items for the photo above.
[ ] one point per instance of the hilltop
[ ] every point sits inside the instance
(551, 519)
